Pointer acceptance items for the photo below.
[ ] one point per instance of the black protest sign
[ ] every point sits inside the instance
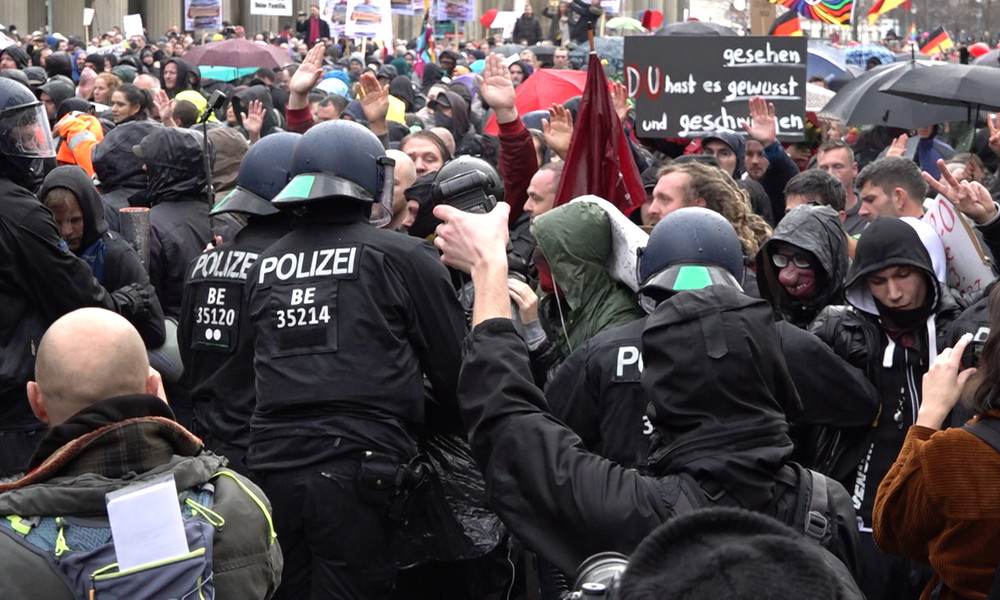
(692, 87)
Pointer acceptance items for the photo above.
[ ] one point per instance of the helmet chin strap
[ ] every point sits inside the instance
(25, 172)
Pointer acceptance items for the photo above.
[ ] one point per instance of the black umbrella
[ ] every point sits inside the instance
(694, 29)
(608, 47)
(861, 102)
(990, 59)
(543, 53)
(850, 73)
(954, 84)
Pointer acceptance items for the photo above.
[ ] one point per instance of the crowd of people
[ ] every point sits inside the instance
(411, 369)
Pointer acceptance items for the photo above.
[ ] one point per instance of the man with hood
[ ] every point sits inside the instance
(79, 214)
(723, 427)
(59, 63)
(13, 57)
(801, 269)
(174, 77)
(52, 94)
(895, 321)
(729, 150)
(119, 170)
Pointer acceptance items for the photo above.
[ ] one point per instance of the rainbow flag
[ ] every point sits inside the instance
(837, 12)
(913, 32)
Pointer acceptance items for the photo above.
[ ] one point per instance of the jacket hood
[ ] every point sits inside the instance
(738, 145)
(58, 90)
(230, 148)
(432, 74)
(263, 95)
(183, 81)
(719, 391)
(76, 180)
(18, 55)
(459, 116)
(59, 63)
(886, 242)
(576, 241)
(175, 165)
(114, 162)
(816, 230)
(402, 88)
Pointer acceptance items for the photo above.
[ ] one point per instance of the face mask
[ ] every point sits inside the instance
(442, 120)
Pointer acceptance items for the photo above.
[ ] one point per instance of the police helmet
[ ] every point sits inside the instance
(340, 160)
(25, 137)
(690, 248)
(468, 183)
(265, 171)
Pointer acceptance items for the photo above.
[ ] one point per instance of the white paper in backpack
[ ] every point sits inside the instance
(146, 524)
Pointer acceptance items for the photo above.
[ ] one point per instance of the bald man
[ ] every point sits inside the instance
(110, 427)
(405, 173)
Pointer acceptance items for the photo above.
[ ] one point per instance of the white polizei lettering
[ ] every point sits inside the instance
(296, 265)
(199, 264)
(284, 274)
(248, 261)
(268, 265)
(627, 355)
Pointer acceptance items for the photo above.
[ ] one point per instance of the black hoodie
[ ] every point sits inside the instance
(59, 63)
(18, 55)
(180, 226)
(119, 170)
(113, 261)
(183, 82)
(817, 231)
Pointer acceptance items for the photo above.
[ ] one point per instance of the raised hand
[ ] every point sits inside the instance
(375, 102)
(993, 121)
(164, 107)
(898, 146)
(558, 130)
(253, 119)
(619, 97)
(497, 90)
(969, 197)
(764, 128)
(309, 73)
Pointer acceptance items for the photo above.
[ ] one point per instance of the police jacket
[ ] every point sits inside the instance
(894, 350)
(113, 261)
(347, 320)
(716, 419)
(39, 282)
(214, 333)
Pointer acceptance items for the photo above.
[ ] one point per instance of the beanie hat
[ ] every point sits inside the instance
(728, 553)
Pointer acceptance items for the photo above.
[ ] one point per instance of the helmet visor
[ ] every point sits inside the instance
(382, 208)
(24, 131)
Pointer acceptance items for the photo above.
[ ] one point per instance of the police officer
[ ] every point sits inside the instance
(347, 320)
(40, 280)
(214, 333)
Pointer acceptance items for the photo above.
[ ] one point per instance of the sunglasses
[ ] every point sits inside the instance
(781, 261)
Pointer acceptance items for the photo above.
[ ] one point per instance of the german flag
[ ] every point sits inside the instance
(787, 24)
(882, 6)
(937, 41)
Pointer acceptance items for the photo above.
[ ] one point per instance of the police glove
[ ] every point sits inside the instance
(134, 301)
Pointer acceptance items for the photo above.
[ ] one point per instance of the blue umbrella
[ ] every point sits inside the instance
(824, 61)
(860, 55)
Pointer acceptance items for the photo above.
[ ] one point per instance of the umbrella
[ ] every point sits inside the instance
(817, 97)
(610, 48)
(543, 89)
(861, 103)
(237, 53)
(543, 53)
(860, 55)
(695, 29)
(824, 61)
(953, 84)
(508, 49)
(850, 74)
(625, 24)
(990, 59)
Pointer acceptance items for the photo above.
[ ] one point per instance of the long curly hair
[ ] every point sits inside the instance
(721, 194)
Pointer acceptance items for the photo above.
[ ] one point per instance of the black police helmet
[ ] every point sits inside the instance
(265, 171)
(25, 137)
(690, 248)
(464, 174)
(340, 160)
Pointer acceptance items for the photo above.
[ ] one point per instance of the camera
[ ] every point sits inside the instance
(467, 192)
(598, 576)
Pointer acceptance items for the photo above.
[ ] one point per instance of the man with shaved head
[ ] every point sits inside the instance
(110, 427)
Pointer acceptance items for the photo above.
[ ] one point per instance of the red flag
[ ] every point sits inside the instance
(599, 160)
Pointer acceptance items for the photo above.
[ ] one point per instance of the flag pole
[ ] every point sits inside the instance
(590, 35)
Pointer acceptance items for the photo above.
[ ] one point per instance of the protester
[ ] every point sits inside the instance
(527, 29)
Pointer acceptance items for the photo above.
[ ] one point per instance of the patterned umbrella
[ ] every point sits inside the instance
(860, 55)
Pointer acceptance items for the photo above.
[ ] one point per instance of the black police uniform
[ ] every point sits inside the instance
(347, 321)
(215, 339)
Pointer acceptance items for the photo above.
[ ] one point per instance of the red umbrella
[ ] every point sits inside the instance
(238, 53)
(542, 89)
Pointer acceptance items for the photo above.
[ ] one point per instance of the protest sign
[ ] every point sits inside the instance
(366, 18)
(202, 14)
(132, 24)
(276, 8)
(456, 10)
(968, 268)
(696, 86)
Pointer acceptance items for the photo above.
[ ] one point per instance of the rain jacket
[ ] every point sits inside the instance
(183, 81)
(119, 170)
(112, 259)
(894, 357)
(718, 420)
(180, 226)
(576, 241)
(817, 231)
(78, 135)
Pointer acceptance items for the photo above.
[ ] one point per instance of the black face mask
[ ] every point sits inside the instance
(443, 120)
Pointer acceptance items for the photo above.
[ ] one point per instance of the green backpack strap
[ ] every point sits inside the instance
(256, 499)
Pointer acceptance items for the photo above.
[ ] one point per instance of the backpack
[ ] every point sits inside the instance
(81, 552)
(988, 430)
(802, 501)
